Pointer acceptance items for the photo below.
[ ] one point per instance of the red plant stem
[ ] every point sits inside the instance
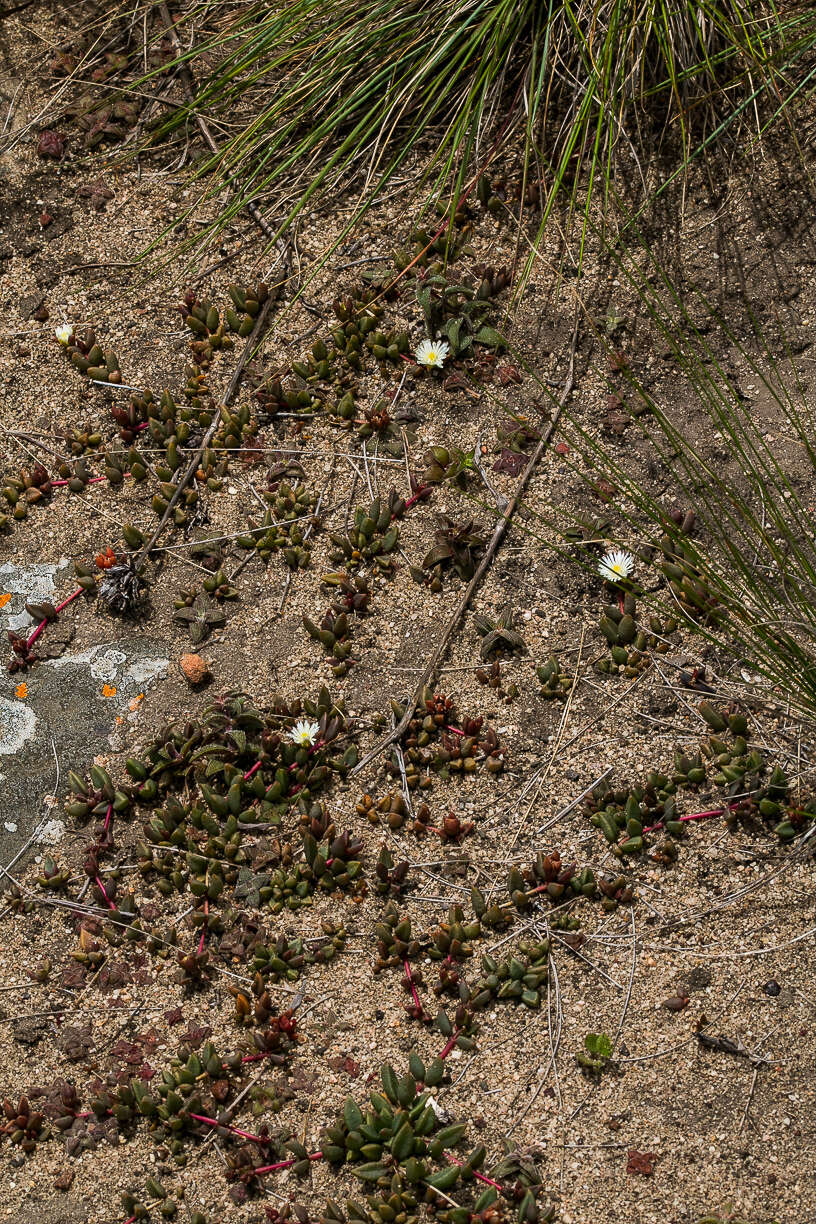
(108, 816)
(421, 491)
(455, 730)
(36, 633)
(488, 1181)
(58, 484)
(204, 931)
(256, 1057)
(101, 888)
(232, 1129)
(449, 1044)
(696, 816)
(620, 602)
(414, 994)
(285, 1164)
(252, 771)
(130, 1220)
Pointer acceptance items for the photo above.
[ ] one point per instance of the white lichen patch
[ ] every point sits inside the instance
(17, 723)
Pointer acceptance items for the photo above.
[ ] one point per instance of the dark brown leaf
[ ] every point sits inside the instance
(642, 1163)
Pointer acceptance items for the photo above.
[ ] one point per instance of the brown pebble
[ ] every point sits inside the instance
(64, 1180)
(194, 669)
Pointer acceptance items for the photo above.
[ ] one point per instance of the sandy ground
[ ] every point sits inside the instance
(728, 927)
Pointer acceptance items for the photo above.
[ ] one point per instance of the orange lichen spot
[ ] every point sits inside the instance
(108, 690)
(4, 598)
(136, 702)
(21, 690)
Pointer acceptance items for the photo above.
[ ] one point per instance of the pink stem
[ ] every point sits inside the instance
(130, 1220)
(252, 771)
(488, 1181)
(285, 1164)
(455, 730)
(232, 1129)
(101, 888)
(414, 994)
(449, 1044)
(58, 484)
(421, 491)
(204, 931)
(36, 633)
(696, 816)
(108, 816)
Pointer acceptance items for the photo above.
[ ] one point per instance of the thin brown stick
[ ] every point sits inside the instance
(499, 533)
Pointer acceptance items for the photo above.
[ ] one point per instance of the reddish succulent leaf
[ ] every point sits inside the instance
(454, 382)
(347, 1064)
(605, 490)
(50, 144)
(642, 1163)
(508, 374)
(511, 462)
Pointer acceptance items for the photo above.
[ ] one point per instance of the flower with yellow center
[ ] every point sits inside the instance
(616, 565)
(304, 733)
(432, 353)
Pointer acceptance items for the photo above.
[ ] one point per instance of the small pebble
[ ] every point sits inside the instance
(194, 669)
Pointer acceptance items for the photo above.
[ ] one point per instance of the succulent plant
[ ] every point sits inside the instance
(499, 638)
(373, 536)
(122, 587)
(200, 617)
(456, 545)
(628, 643)
(554, 683)
(458, 313)
(594, 1058)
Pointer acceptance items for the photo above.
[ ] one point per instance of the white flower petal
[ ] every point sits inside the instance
(616, 565)
(432, 353)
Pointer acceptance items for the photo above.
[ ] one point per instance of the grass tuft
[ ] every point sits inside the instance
(322, 93)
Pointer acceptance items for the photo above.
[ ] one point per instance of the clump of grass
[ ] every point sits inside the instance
(322, 92)
(744, 576)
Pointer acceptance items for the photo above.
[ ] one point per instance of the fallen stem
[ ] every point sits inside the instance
(696, 816)
(235, 1130)
(36, 633)
(286, 1164)
(488, 1181)
(414, 994)
(449, 1044)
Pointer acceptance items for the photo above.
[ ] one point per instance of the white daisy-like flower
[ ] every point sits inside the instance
(616, 565)
(304, 733)
(64, 332)
(432, 353)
